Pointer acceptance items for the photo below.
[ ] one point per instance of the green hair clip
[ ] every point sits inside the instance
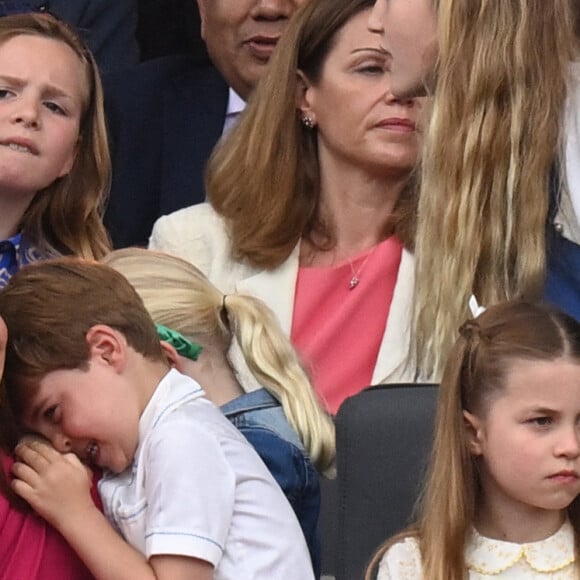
(182, 345)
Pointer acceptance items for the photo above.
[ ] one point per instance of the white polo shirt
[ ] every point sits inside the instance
(197, 488)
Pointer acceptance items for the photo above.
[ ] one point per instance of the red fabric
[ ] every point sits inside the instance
(338, 331)
(30, 549)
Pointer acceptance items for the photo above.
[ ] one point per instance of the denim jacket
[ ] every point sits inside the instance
(261, 419)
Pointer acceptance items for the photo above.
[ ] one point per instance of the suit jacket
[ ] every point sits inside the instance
(108, 26)
(562, 288)
(165, 116)
(199, 235)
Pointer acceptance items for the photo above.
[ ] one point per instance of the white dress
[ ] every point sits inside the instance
(486, 558)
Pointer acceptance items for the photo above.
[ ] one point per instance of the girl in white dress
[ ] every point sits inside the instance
(501, 496)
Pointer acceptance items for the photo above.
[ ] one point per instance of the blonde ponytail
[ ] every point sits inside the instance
(273, 361)
(179, 296)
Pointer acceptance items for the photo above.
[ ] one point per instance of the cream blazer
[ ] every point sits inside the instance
(198, 235)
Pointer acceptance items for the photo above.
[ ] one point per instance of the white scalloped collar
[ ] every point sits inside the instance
(488, 556)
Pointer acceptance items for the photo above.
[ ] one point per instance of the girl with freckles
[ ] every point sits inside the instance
(54, 157)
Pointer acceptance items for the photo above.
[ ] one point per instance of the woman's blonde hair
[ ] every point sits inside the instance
(493, 140)
(475, 375)
(179, 296)
(263, 177)
(65, 217)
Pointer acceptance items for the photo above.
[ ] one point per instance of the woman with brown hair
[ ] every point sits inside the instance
(312, 204)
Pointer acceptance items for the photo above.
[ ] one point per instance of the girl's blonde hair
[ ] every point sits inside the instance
(179, 296)
(493, 140)
(475, 375)
(263, 178)
(65, 217)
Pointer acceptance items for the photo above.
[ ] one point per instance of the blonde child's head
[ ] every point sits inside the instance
(179, 296)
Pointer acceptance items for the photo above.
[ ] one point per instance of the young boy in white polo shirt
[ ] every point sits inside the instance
(84, 368)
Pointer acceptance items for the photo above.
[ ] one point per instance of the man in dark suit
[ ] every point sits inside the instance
(166, 115)
(107, 26)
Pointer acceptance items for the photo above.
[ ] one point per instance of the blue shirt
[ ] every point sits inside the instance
(261, 419)
(15, 252)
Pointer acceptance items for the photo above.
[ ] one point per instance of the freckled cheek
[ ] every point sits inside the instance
(71, 138)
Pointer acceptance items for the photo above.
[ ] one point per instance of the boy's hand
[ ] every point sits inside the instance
(56, 486)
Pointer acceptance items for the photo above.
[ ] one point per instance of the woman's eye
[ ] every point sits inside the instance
(5, 93)
(371, 69)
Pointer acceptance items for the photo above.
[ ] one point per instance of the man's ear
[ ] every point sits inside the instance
(473, 433)
(107, 346)
(304, 96)
(173, 357)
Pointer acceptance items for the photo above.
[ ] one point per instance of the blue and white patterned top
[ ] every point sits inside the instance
(15, 252)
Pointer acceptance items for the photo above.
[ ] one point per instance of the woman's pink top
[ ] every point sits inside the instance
(338, 330)
(31, 549)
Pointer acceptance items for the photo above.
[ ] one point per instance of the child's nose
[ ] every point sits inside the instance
(61, 443)
(568, 444)
(26, 113)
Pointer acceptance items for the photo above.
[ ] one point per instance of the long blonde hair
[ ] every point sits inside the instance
(65, 217)
(179, 296)
(493, 139)
(474, 375)
(263, 177)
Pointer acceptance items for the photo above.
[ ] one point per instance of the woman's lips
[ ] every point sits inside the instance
(397, 124)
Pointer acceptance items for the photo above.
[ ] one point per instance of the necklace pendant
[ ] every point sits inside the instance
(353, 283)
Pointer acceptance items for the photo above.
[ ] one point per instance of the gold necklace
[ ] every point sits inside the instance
(355, 278)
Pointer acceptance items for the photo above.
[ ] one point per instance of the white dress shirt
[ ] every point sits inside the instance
(235, 106)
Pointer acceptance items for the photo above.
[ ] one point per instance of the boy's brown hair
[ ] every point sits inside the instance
(50, 306)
